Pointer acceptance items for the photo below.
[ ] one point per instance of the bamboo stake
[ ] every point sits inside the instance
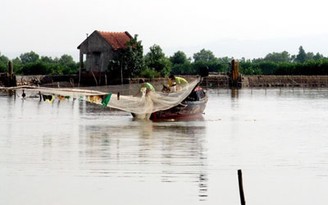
(241, 189)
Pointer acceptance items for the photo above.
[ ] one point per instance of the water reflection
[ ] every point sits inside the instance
(277, 136)
(234, 92)
(171, 152)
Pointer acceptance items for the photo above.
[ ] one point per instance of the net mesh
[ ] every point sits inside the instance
(120, 97)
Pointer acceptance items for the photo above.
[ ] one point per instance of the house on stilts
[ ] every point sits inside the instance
(98, 52)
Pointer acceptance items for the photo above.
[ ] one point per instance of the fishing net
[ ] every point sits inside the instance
(122, 97)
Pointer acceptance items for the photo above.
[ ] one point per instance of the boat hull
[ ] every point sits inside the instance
(192, 108)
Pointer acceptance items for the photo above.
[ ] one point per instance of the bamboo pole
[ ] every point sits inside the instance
(241, 189)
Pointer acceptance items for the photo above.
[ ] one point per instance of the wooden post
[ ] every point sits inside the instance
(10, 69)
(234, 75)
(11, 78)
(241, 189)
(80, 67)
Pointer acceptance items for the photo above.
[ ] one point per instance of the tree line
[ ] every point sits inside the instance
(156, 64)
(31, 63)
(304, 63)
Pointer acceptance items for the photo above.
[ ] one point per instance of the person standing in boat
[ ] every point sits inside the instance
(176, 83)
(144, 92)
(145, 87)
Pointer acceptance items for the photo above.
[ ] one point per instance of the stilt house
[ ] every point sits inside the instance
(99, 49)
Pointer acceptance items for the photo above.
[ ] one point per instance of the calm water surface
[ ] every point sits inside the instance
(74, 153)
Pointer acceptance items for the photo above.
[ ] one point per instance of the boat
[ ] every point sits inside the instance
(191, 108)
(187, 103)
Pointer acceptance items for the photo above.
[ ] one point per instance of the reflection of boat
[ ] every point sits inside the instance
(192, 107)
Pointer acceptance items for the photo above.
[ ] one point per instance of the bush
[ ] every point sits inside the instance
(149, 73)
(37, 68)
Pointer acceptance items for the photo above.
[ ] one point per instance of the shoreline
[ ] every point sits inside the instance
(211, 81)
(267, 81)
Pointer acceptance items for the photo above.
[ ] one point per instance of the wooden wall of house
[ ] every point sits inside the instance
(98, 53)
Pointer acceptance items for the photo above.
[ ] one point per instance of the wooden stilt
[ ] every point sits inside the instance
(241, 189)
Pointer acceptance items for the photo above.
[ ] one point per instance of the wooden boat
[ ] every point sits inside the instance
(189, 109)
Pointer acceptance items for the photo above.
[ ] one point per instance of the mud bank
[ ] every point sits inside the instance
(214, 81)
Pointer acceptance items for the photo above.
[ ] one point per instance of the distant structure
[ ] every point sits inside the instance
(100, 48)
(8, 79)
(235, 76)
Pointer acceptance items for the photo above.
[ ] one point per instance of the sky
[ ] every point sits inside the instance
(229, 28)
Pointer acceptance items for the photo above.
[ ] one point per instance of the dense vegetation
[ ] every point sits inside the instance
(31, 64)
(284, 64)
(155, 63)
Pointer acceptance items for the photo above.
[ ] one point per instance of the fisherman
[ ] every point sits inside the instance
(145, 87)
(176, 83)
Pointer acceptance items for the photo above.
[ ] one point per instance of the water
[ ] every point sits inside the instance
(76, 153)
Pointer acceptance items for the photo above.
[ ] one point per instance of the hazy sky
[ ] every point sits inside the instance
(233, 28)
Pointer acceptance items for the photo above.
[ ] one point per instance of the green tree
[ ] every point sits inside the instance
(317, 57)
(67, 65)
(179, 57)
(47, 59)
(248, 67)
(268, 67)
(205, 60)
(127, 62)
(180, 63)
(156, 60)
(278, 57)
(3, 63)
(301, 56)
(149, 73)
(31, 64)
(204, 56)
(224, 64)
(18, 65)
(182, 69)
(309, 56)
(35, 68)
(285, 69)
(30, 57)
(133, 56)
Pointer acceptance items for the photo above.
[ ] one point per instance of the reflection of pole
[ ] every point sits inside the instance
(241, 189)
(202, 187)
(234, 92)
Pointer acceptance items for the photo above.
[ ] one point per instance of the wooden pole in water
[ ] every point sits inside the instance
(235, 80)
(241, 189)
(10, 69)
(11, 78)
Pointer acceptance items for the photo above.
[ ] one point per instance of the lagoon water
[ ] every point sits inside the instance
(74, 153)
